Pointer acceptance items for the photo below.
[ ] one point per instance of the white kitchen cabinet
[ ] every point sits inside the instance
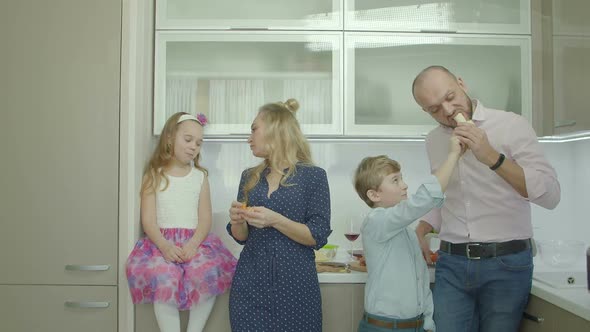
(229, 75)
(553, 318)
(570, 17)
(571, 69)
(463, 16)
(35, 308)
(236, 14)
(380, 68)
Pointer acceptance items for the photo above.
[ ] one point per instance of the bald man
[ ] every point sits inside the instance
(484, 270)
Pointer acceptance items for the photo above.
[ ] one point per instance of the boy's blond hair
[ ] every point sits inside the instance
(370, 173)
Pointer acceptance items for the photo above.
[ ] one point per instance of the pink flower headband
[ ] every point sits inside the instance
(200, 118)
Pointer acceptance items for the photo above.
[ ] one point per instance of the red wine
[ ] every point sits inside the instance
(351, 236)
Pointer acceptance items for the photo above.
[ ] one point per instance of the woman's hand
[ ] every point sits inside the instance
(261, 217)
(236, 211)
(171, 252)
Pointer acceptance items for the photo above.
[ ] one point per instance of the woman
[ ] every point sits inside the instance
(281, 214)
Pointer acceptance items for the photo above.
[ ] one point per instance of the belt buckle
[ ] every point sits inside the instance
(468, 250)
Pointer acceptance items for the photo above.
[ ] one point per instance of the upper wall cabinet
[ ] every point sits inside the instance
(229, 75)
(380, 68)
(239, 14)
(571, 69)
(463, 16)
(570, 17)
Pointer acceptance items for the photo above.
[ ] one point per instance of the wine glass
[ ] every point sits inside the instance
(352, 233)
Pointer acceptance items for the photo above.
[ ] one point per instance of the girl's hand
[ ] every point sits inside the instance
(236, 211)
(261, 217)
(171, 253)
(189, 250)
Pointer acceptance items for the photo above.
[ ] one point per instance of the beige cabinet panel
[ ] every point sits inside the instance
(571, 58)
(58, 308)
(570, 17)
(59, 96)
(342, 309)
(145, 320)
(554, 318)
(337, 307)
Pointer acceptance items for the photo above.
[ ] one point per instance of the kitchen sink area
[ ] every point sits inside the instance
(562, 279)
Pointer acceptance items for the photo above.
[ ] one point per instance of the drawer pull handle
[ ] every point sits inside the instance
(74, 267)
(535, 319)
(565, 123)
(86, 305)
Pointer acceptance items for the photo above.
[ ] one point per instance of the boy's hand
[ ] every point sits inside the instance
(456, 147)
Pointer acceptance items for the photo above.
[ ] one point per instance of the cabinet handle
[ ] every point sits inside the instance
(76, 267)
(437, 31)
(565, 123)
(535, 319)
(86, 304)
(248, 29)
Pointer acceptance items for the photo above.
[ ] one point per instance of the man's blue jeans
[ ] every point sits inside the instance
(487, 295)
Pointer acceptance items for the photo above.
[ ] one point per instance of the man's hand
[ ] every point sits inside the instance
(422, 229)
(477, 140)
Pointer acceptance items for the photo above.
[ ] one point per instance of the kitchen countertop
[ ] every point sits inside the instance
(574, 300)
(354, 277)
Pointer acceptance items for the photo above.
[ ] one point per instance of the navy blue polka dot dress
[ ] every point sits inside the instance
(275, 287)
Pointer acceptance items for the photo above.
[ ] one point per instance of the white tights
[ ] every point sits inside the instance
(168, 316)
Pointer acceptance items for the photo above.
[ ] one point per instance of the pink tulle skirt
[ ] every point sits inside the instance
(152, 279)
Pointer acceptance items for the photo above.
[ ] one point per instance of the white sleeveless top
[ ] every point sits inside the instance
(177, 206)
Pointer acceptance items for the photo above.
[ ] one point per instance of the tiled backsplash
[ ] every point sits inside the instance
(227, 160)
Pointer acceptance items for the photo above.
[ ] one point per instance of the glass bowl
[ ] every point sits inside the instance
(561, 253)
(327, 252)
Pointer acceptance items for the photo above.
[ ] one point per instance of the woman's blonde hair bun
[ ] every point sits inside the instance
(291, 104)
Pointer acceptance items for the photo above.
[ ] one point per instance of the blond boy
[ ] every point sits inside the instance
(397, 292)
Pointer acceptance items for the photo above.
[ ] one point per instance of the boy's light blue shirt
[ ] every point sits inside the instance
(398, 285)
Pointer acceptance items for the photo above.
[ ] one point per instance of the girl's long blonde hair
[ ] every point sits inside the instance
(162, 157)
(284, 140)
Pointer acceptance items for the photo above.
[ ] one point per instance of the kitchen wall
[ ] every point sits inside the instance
(226, 160)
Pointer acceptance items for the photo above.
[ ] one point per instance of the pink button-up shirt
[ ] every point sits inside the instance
(480, 206)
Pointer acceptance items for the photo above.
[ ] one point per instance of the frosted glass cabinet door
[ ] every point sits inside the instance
(571, 69)
(271, 14)
(570, 17)
(229, 75)
(380, 69)
(477, 16)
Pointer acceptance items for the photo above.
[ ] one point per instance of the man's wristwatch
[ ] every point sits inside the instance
(498, 163)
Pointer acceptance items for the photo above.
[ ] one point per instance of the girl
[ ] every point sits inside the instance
(178, 265)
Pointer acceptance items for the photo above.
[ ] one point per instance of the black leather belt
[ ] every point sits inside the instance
(478, 250)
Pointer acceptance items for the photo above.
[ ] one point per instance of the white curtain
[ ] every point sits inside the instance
(314, 97)
(235, 101)
(181, 95)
